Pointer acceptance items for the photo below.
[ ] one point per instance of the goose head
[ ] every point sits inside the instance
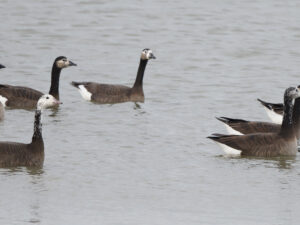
(1, 66)
(47, 101)
(62, 62)
(147, 54)
(292, 93)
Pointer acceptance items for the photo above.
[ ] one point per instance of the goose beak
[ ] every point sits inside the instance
(1, 66)
(151, 56)
(72, 64)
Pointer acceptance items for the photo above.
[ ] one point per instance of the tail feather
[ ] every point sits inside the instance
(76, 84)
(271, 106)
(228, 120)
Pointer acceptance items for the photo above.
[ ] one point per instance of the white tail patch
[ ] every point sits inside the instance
(228, 150)
(230, 130)
(3, 100)
(85, 93)
(275, 117)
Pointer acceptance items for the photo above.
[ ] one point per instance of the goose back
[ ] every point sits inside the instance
(20, 97)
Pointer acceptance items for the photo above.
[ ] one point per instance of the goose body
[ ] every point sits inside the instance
(25, 97)
(20, 154)
(273, 110)
(282, 142)
(109, 93)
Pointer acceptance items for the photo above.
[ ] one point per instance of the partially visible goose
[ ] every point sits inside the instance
(1, 105)
(281, 143)
(274, 110)
(239, 127)
(32, 154)
(26, 98)
(108, 93)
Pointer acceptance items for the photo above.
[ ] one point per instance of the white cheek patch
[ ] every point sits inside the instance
(3, 100)
(85, 93)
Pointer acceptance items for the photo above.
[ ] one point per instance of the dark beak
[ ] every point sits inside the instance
(152, 56)
(72, 64)
(1, 66)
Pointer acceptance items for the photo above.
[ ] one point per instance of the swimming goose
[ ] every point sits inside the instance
(1, 66)
(238, 126)
(109, 94)
(26, 98)
(274, 111)
(281, 143)
(32, 154)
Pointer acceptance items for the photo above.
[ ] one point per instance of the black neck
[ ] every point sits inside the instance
(287, 129)
(140, 74)
(296, 117)
(37, 133)
(55, 81)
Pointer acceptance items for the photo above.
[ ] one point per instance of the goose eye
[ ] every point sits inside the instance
(47, 97)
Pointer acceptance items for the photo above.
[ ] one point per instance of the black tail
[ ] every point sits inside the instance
(1, 66)
(271, 106)
(228, 120)
(75, 84)
(216, 136)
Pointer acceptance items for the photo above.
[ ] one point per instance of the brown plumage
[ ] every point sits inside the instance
(32, 154)
(109, 94)
(283, 142)
(250, 127)
(26, 98)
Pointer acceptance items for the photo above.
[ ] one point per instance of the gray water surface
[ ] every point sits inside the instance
(150, 164)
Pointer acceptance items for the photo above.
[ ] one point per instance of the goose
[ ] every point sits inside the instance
(273, 110)
(240, 127)
(109, 94)
(270, 144)
(32, 155)
(1, 66)
(26, 98)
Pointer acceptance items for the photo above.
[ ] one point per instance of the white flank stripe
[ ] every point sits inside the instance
(275, 117)
(85, 93)
(3, 100)
(230, 130)
(228, 150)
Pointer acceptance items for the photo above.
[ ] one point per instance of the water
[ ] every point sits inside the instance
(150, 164)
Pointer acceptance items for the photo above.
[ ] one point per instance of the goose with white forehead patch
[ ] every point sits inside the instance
(32, 154)
(281, 143)
(109, 94)
(26, 98)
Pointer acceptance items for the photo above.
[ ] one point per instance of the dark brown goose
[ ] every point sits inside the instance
(281, 143)
(109, 94)
(238, 126)
(32, 154)
(26, 98)
(274, 110)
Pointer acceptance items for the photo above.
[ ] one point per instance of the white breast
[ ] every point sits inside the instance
(3, 100)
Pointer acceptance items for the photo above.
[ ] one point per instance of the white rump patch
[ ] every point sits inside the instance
(230, 130)
(3, 100)
(85, 93)
(275, 117)
(228, 150)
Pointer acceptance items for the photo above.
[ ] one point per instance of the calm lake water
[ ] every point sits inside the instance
(150, 164)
